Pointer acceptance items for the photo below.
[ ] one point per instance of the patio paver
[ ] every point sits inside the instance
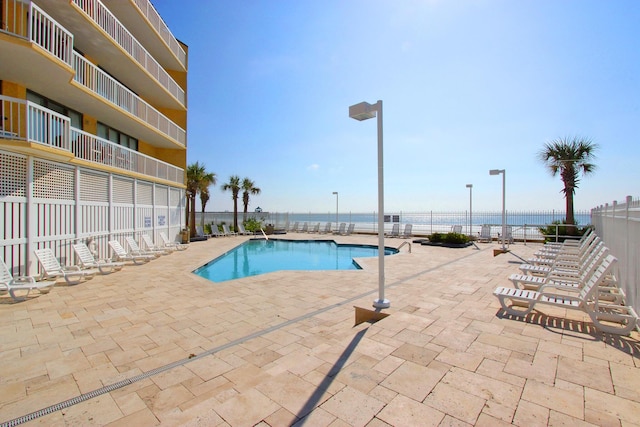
(282, 348)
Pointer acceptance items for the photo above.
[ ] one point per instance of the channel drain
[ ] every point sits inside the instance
(111, 387)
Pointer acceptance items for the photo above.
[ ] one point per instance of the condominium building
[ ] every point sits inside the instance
(93, 115)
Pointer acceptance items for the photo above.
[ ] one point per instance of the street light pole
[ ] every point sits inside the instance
(336, 193)
(364, 111)
(470, 187)
(504, 212)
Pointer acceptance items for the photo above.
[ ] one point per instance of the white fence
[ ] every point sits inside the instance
(50, 204)
(618, 224)
(524, 224)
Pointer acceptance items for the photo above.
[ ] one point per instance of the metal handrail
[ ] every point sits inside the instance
(404, 244)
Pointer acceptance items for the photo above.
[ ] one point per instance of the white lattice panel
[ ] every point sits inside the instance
(94, 187)
(53, 181)
(122, 190)
(175, 197)
(144, 194)
(161, 195)
(13, 170)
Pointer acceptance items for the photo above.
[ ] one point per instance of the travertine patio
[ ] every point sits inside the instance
(282, 348)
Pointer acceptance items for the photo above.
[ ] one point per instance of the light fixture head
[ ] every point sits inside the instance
(362, 111)
(335, 192)
(496, 171)
(469, 185)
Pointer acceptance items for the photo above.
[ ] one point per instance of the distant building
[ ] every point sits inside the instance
(93, 114)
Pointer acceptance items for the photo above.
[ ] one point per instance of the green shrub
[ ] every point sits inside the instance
(456, 238)
(252, 224)
(436, 238)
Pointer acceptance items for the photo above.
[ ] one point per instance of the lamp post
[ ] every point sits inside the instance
(364, 111)
(336, 193)
(504, 216)
(470, 187)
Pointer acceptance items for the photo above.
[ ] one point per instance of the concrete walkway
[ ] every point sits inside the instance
(158, 345)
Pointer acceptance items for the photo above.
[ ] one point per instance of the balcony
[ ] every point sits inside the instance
(147, 26)
(22, 61)
(26, 122)
(100, 83)
(101, 36)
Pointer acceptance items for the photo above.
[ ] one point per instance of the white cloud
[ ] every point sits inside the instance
(314, 167)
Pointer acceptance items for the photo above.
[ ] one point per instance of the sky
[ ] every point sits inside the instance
(467, 86)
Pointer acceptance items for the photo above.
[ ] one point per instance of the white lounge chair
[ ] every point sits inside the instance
(327, 229)
(341, 228)
(169, 244)
(315, 229)
(456, 229)
(574, 282)
(542, 267)
(242, 230)
(227, 232)
(150, 246)
(294, 228)
(10, 284)
(350, 229)
(611, 318)
(305, 228)
(485, 234)
(123, 255)
(408, 228)
(395, 231)
(135, 249)
(200, 234)
(53, 270)
(87, 260)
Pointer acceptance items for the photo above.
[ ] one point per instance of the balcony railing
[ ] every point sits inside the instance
(101, 83)
(110, 24)
(27, 20)
(24, 120)
(55, 39)
(156, 21)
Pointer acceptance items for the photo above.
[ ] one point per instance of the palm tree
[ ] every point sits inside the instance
(234, 186)
(197, 179)
(204, 198)
(249, 188)
(568, 157)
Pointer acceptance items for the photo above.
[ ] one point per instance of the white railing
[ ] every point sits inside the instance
(618, 225)
(98, 150)
(47, 33)
(27, 20)
(110, 24)
(156, 22)
(34, 123)
(101, 83)
(47, 127)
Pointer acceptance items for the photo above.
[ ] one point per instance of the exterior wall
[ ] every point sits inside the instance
(618, 225)
(62, 184)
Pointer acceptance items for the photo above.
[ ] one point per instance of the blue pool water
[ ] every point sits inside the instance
(264, 256)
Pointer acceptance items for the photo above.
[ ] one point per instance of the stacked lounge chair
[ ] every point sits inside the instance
(580, 277)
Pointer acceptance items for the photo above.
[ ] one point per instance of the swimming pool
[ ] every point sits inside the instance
(255, 257)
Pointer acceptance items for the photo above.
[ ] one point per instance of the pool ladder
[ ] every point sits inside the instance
(405, 243)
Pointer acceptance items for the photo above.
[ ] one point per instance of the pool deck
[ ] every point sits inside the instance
(282, 349)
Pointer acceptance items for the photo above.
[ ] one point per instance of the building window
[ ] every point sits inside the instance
(117, 137)
(74, 116)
